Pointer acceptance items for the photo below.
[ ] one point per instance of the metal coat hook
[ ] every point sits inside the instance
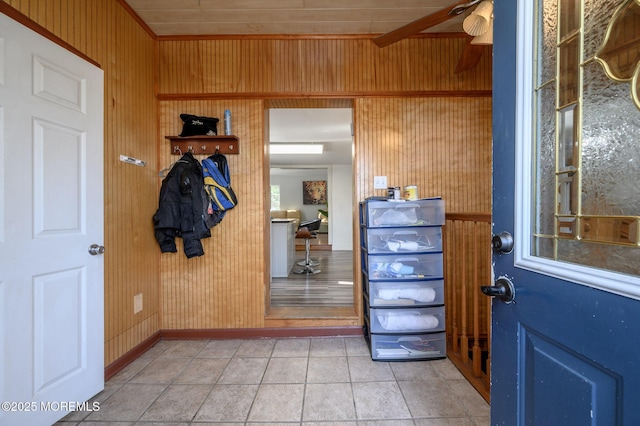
(199, 145)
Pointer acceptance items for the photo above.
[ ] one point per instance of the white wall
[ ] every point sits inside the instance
(290, 181)
(341, 207)
(339, 192)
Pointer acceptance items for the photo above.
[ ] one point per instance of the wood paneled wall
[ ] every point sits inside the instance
(322, 67)
(225, 287)
(441, 145)
(415, 122)
(105, 32)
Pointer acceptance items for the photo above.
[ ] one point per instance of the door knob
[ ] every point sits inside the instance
(503, 242)
(95, 249)
(502, 290)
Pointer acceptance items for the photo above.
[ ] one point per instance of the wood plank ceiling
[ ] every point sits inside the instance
(287, 17)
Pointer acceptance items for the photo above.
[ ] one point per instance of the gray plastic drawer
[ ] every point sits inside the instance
(400, 266)
(377, 214)
(413, 320)
(404, 294)
(398, 347)
(402, 240)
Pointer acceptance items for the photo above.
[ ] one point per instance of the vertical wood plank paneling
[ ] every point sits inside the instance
(316, 66)
(419, 141)
(423, 142)
(225, 287)
(441, 144)
(105, 32)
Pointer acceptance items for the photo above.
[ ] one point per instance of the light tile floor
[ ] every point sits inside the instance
(316, 381)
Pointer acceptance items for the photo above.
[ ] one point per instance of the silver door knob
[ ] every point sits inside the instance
(503, 242)
(95, 249)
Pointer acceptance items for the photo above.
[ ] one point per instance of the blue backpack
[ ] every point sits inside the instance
(217, 185)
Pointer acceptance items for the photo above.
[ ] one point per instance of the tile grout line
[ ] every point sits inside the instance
(213, 385)
(353, 364)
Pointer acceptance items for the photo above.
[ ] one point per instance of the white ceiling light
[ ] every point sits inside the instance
(480, 23)
(295, 148)
(485, 38)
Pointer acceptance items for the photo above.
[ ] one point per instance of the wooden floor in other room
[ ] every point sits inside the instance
(332, 287)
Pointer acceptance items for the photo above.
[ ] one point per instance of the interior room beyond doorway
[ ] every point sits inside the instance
(331, 249)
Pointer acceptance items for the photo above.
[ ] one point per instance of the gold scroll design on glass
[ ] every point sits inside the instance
(620, 51)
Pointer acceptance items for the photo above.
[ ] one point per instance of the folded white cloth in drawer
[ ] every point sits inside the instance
(397, 217)
(407, 322)
(424, 295)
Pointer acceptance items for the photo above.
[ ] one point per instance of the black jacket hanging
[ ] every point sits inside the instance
(182, 208)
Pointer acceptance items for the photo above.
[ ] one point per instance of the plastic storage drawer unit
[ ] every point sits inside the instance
(403, 278)
(402, 266)
(402, 240)
(402, 347)
(378, 214)
(414, 320)
(407, 293)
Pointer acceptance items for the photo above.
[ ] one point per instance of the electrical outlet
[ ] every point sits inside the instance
(137, 303)
(379, 182)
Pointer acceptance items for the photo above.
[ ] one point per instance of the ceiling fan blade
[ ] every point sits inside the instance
(470, 56)
(417, 26)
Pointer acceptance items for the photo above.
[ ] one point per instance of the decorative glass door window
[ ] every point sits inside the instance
(586, 193)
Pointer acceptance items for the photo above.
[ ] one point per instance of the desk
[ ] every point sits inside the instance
(283, 246)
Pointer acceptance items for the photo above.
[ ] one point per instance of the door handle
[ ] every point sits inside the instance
(502, 290)
(95, 249)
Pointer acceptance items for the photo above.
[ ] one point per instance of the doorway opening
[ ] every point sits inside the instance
(314, 188)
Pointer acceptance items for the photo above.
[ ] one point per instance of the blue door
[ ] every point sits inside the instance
(566, 349)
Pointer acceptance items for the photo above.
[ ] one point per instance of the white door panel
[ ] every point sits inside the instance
(58, 175)
(51, 295)
(58, 85)
(51, 211)
(2, 150)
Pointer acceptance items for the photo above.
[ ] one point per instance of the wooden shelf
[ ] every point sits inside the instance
(204, 145)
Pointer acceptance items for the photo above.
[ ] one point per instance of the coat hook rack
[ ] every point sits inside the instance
(204, 145)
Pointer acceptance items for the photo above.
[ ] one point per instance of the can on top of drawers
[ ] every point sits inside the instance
(410, 192)
(393, 193)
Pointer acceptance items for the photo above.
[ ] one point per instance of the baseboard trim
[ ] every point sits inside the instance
(236, 333)
(126, 359)
(260, 333)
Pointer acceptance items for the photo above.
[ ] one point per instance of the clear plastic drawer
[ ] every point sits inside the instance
(414, 320)
(378, 214)
(406, 293)
(398, 347)
(402, 240)
(402, 267)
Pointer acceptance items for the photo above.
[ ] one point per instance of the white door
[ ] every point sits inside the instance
(51, 211)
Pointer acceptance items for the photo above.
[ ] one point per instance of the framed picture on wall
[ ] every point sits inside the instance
(314, 192)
